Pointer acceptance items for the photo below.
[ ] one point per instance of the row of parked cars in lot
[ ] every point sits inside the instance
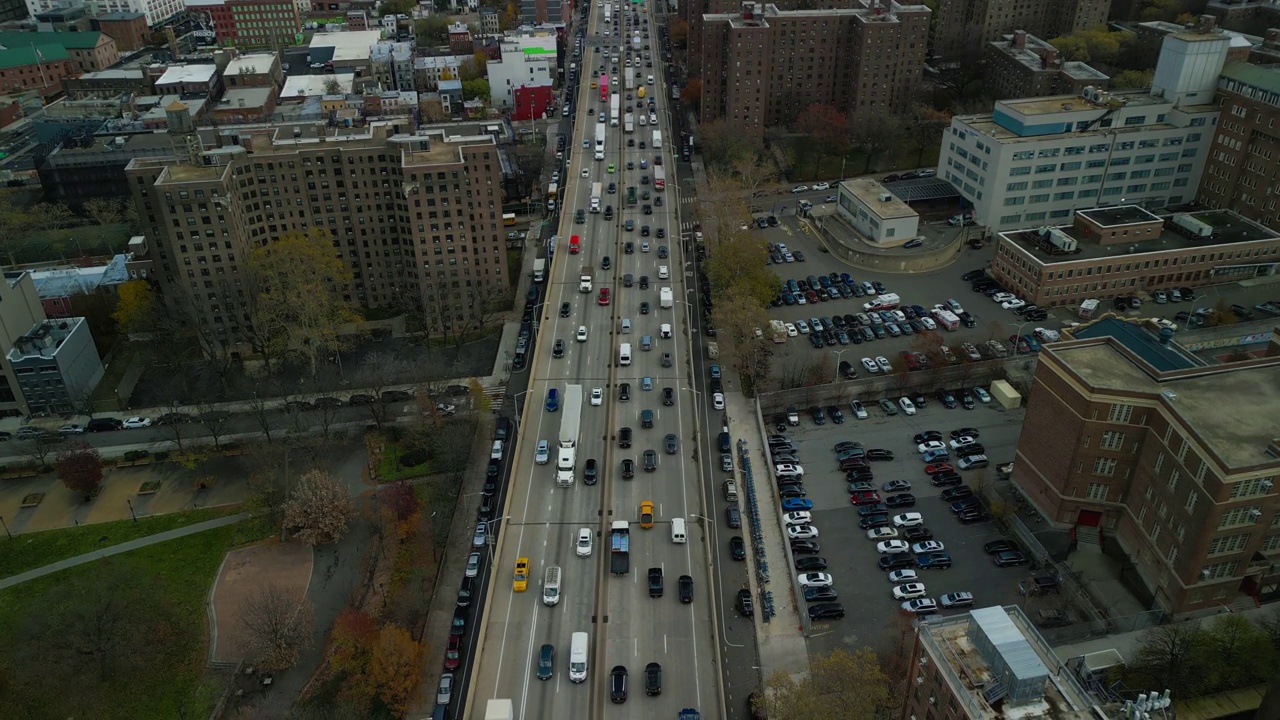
(816, 289)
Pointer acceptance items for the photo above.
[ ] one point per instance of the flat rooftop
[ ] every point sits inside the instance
(255, 64)
(187, 74)
(1055, 104)
(302, 86)
(1229, 227)
(245, 97)
(1080, 71)
(1118, 215)
(347, 46)
(1233, 410)
(869, 192)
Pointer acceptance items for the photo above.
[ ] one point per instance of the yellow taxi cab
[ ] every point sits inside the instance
(521, 581)
(646, 514)
(594, 85)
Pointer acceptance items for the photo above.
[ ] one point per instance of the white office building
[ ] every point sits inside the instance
(1035, 161)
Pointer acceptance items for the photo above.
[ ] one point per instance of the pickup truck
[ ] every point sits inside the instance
(620, 544)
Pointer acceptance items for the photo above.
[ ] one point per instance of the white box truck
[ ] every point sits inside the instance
(629, 123)
(578, 649)
(597, 189)
(566, 460)
(657, 139)
(600, 141)
(665, 297)
(584, 280)
(499, 710)
(615, 109)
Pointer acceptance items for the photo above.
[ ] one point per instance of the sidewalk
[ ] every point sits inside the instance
(781, 641)
(121, 548)
(1127, 643)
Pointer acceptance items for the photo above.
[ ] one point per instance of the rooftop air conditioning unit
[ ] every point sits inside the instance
(886, 197)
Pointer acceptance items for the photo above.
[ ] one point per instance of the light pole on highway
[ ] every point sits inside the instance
(516, 416)
(491, 537)
(838, 353)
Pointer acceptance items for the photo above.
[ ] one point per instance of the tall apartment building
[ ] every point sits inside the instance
(1241, 171)
(13, 10)
(1173, 458)
(1022, 65)
(417, 215)
(1035, 161)
(761, 65)
(964, 25)
(987, 664)
(20, 310)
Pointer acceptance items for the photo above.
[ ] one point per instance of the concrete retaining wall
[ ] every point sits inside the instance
(829, 233)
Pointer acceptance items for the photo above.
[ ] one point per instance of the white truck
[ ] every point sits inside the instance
(631, 79)
(887, 301)
(947, 319)
(665, 298)
(615, 109)
(539, 269)
(657, 139)
(629, 123)
(566, 460)
(499, 710)
(584, 280)
(599, 141)
(597, 189)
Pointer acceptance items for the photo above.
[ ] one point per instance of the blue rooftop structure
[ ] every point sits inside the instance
(1156, 350)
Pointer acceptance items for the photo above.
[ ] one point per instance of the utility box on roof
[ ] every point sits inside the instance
(1004, 394)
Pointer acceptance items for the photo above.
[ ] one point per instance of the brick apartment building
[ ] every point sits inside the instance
(416, 215)
(250, 23)
(762, 65)
(41, 69)
(1241, 170)
(1022, 65)
(1125, 250)
(128, 29)
(1128, 434)
(963, 25)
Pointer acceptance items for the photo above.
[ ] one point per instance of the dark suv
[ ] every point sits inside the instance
(589, 474)
(618, 684)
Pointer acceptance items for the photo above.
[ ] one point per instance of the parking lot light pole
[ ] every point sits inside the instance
(838, 353)
(1017, 333)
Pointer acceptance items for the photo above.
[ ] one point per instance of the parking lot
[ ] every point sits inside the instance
(851, 557)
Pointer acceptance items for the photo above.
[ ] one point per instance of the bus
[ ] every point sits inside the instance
(508, 219)
(604, 88)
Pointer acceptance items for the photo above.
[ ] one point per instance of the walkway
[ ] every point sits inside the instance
(121, 548)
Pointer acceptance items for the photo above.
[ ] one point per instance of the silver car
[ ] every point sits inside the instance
(543, 454)
(473, 564)
(444, 692)
(482, 534)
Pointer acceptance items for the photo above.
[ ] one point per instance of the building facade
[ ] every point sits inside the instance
(392, 64)
(156, 11)
(1034, 161)
(20, 310)
(40, 69)
(13, 10)
(966, 25)
(416, 215)
(528, 61)
(1125, 250)
(1022, 65)
(56, 364)
(250, 23)
(877, 214)
(1173, 458)
(761, 65)
(1241, 171)
(128, 29)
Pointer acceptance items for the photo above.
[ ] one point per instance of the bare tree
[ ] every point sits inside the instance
(38, 448)
(326, 414)
(259, 405)
(214, 420)
(279, 625)
(378, 372)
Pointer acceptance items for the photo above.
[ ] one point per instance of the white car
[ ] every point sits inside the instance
(1003, 297)
(597, 396)
(1012, 304)
(799, 189)
(543, 454)
(71, 429)
(583, 546)
(791, 330)
(831, 198)
(473, 564)
(870, 365)
(586, 172)
(582, 333)
(653, 118)
(663, 272)
(906, 520)
(802, 326)
(908, 407)
(859, 411)
(802, 532)
(903, 576)
(925, 447)
(927, 546)
(137, 422)
(788, 469)
(717, 401)
(928, 323)
(909, 591)
(920, 606)
(821, 186)
(883, 362)
(892, 547)
(797, 518)
(816, 579)
(962, 441)
(881, 533)
(983, 396)
(644, 247)
(782, 248)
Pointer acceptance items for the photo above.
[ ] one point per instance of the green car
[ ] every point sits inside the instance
(611, 168)
(546, 662)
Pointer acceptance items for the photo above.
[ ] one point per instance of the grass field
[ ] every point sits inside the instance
(32, 550)
(66, 243)
(390, 470)
(183, 570)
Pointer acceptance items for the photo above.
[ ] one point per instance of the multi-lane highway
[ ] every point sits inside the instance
(541, 519)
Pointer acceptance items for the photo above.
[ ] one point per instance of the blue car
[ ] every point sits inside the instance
(933, 560)
(715, 372)
(790, 504)
(1032, 342)
(553, 400)
(846, 278)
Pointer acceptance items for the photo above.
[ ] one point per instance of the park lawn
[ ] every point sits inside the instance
(32, 550)
(186, 568)
(390, 470)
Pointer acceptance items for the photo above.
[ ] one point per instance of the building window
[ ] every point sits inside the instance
(1229, 544)
(1191, 500)
(1251, 487)
(1172, 555)
(1240, 516)
(1271, 544)
(1097, 491)
(1219, 570)
(1112, 440)
(1120, 414)
(1105, 467)
(1174, 477)
(1182, 450)
(1159, 461)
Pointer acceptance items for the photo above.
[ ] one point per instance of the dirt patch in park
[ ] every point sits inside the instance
(242, 573)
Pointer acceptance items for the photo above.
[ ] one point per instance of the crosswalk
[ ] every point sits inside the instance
(497, 396)
(687, 226)
(688, 200)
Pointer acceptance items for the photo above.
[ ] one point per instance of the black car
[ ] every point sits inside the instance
(650, 460)
(653, 679)
(966, 503)
(668, 396)
(590, 472)
(872, 509)
(826, 611)
(628, 468)
(836, 415)
(927, 436)
(737, 548)
(564, 310)
(618, 684)
(970, 450)
(947, 399)
(899, 561)
(396, 396)
(879, 454)
(624, 437)
(967, 401)
(685, 586)
(811, 564)
(1000, 546)
(804, 547)
(917, 534)
(819, 594)
(873, 521)
(901, 500)
(956, 493)
(947, 479)
(745, 604)
(964, 432)
(733, 517)
(791, 490)
(972, 515)
(655, 582)
(1010, 558)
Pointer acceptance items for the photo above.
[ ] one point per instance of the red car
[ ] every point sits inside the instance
(574, 245)
(453, 656)
(604, 296)
(864, 498)
(937, 468)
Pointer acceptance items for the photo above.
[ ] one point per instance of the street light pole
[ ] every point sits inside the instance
(131, 512)
(838, 353)
(6, 527)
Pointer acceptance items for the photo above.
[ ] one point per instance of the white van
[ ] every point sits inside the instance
(677, 530)
(496, 452)
(551, 586)
(624, 354)
(626, 326)
(578, 657)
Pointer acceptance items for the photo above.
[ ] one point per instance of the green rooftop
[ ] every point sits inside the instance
(23, 56)
(1262, 77)
(69, 40)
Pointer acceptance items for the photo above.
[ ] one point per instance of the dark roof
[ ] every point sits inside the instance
(1141, 342)
(910, 191)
